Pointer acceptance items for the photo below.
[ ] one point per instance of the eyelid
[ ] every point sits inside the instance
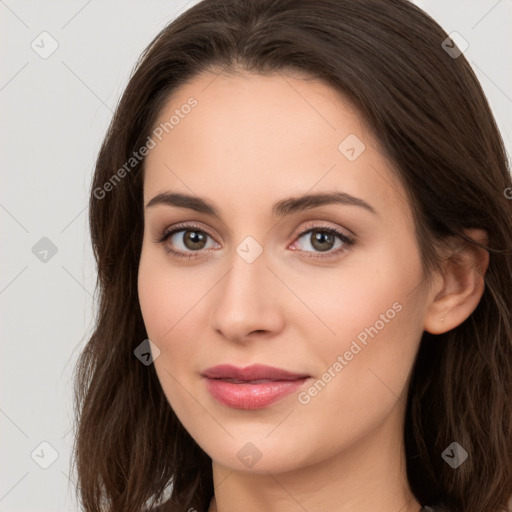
(319, 225)
(181, 227)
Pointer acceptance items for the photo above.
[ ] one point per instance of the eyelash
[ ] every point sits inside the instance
(347, 241)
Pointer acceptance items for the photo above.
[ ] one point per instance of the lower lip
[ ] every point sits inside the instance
(252, 396)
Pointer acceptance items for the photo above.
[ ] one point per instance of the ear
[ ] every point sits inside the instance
(457, 292)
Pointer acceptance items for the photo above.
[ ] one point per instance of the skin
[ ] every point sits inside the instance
(251, 141)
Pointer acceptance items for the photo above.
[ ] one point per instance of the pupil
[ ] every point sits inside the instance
(194, 239)
(320, 238)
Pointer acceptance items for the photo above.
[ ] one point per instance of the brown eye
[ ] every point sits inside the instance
(194, 240)
(186, 242)
(322, 241)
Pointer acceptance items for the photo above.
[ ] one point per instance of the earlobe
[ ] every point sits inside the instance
(458, 290)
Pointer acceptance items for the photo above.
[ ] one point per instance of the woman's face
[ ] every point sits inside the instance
(255, 287)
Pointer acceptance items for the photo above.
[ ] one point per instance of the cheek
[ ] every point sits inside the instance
(363, 381)
(352, 298)
(155, 298)
(167, 306)
(173, 306)
(163, 293)
(373, 310)
(363, 371)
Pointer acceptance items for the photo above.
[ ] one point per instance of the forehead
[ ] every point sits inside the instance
(264, 105)
(255, 136)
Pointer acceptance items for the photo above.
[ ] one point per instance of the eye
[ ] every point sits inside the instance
(324, 239)
(187, 239)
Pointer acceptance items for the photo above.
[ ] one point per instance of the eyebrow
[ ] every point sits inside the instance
(279, 209)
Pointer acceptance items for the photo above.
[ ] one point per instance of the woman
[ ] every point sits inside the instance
(301, 224)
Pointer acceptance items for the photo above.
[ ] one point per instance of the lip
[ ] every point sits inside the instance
(253, 372)
(244, 393)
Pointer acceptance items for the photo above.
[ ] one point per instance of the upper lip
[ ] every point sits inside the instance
(253, 372)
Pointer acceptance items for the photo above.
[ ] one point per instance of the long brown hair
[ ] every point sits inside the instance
(431, 117)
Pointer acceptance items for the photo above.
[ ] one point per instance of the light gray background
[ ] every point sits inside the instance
(55, 112)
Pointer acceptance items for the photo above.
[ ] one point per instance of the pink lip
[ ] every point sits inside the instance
(248, 394)
(253, 372)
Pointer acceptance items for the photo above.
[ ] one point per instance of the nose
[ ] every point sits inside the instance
(247, 301)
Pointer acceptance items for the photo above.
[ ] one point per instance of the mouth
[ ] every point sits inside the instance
(253, 387)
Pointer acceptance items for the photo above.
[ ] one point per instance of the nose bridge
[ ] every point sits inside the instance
(246, 298)
(246, 281)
